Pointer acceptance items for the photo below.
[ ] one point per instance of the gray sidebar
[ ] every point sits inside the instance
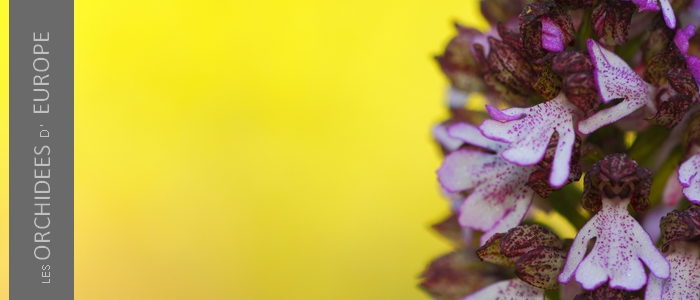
(41, 149)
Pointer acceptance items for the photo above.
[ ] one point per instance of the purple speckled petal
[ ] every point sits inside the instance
(615, 80)
(514, 289)
(528, 137)
(511, 219)
(694, 67)
(552, 36)
(441, 136)
(470, 134)
(620, 245)
(498, 197)
(682, 36)
(689, 179)
(505, 115)
(646, 5)
(497, 186)
(684, 282)
(667, 11)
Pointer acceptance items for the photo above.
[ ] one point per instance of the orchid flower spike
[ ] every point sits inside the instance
(610, 186)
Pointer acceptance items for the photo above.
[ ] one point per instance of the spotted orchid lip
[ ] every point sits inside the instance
(620, 245)
(528, 130)
(499, 197)
(615, 80)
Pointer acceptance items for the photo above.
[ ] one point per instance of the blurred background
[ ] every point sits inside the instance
(254, 150)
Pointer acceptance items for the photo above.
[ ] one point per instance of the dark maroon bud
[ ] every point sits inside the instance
(459, 64)
(683, 82)
(457, 274)
(607, 293)
(671, 111)
(540, 267)
(617, 175)
(508, 67)
(681, 226)
(511, 38)
(575, 4)
(525, 238)
(491, 252)
(611, 21)
(657, 68)
(581, 90)
(572, 62)
(548, 84)
(545, 27)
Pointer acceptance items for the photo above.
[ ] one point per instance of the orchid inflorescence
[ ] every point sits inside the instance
(601, 90)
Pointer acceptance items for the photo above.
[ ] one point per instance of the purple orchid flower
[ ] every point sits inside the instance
(499, 197)
(681, 249)
(615, 80)
(528, 131)
(612, 184)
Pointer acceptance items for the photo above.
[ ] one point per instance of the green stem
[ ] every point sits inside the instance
(585, 31)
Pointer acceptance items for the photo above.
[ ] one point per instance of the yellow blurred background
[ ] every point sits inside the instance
(254, 150)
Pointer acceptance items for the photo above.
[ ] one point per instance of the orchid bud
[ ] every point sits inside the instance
(672, 111)
(458, 62)
(548, 84)
(611, 21)
(680, 226)
(658, 66)
(579, 85)
(534, 251)
(506, 69)
(545, 27)
(458, 274)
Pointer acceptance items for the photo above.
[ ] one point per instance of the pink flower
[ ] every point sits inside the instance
(528, 131)
(621, 242)
(499, 197)
(680, 247)
(615, 80)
